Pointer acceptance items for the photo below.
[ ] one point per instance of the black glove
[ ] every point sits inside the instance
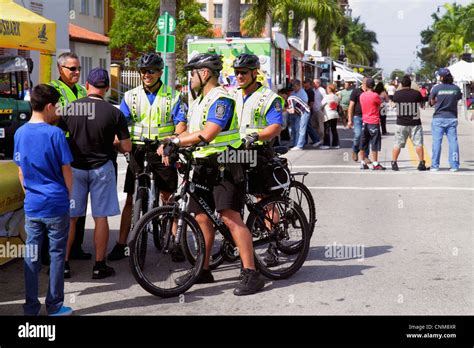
(250, 139)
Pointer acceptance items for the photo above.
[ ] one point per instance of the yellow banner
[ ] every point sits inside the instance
(11, 192)
(24, 29)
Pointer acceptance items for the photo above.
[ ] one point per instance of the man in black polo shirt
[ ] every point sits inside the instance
(96, 128)
(408, 102)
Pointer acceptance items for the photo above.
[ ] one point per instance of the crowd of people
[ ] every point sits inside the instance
(78, 136)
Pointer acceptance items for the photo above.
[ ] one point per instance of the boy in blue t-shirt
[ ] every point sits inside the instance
(43, 157)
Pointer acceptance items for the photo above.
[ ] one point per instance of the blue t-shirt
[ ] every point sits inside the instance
(274, 114)
(178, 114)
(221, 112)
(40, 151)
(447, 96)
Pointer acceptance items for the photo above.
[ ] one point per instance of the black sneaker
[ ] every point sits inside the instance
(80, 255)
(378, 167)
(177, 254)
(101, 271)
(422, 166)
(395, 166)
(205, 277)
(363, 166)
(118, 252)
(250, 283)
(271, 258)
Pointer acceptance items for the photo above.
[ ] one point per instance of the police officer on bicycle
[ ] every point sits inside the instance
(212, 117)
(259, 110)
(153, 110)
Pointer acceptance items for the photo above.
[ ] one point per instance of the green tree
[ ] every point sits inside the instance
(446, 37)
(134, 27)
(397, 73)
(327, 14)
(358, 42)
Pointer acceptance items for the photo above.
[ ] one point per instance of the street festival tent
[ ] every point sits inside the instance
(463, 75)
(25, 30)
(462, 71)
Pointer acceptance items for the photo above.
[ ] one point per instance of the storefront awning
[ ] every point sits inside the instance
(24, 29)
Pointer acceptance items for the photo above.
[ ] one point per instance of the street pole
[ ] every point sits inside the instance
(170, 58)
(231, 18)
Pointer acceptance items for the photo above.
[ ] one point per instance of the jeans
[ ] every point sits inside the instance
(357, 121)
(298, 125)
(311, 132)
(56, 230)
(440, 126)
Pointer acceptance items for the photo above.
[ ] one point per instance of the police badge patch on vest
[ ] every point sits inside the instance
(277, 106)
(220, 111)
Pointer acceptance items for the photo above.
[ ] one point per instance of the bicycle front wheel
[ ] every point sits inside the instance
(156, 272)
(277, 224)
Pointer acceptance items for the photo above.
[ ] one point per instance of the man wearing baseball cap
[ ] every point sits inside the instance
(445, 97)
(96, 129)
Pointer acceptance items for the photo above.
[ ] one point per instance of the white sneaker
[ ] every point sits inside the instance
(324, 147)
(454, 169)
(317, 144)
(335, 147)
(296, 148)
(434, 169)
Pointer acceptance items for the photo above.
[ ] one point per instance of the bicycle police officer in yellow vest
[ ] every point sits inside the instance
(152, 111)
(68, 86)
(212, 117)
(259, 110)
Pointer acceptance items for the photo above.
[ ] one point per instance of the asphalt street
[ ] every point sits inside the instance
(413, 233)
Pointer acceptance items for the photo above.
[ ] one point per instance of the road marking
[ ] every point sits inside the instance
(409, 171)
(391, 188)
(414, 156)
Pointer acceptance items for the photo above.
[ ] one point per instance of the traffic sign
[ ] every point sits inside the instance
(165, 43)
(166, 23)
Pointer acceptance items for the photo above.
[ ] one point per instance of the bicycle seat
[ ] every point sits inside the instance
(281, 150)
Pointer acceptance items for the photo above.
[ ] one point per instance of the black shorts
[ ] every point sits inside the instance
(218, 193)
(371, 135)
(166, 178)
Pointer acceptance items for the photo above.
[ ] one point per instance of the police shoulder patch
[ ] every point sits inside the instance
(220, 110)
(277, 106)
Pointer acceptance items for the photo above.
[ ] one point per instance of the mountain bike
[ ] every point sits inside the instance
(275, 223)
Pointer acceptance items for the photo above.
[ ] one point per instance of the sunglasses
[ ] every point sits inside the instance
(241, 72)
(149, 71)
(72, 68)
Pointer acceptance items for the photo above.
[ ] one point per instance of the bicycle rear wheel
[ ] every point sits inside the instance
(272, 228)
(156, 272)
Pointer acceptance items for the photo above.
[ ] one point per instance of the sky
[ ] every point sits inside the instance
(398, 24)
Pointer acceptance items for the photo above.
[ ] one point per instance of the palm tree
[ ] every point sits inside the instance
(327, 13)
(358, 42)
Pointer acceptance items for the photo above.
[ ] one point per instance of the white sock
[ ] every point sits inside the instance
(362, 162)
(375, 163)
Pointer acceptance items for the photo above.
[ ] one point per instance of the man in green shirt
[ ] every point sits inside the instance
(344, 97)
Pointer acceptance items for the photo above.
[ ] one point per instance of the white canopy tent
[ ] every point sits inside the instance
(346, 74)
(462, 71)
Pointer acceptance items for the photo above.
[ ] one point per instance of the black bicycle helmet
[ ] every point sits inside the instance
(205, 60)
(150, 61)
(249, 61)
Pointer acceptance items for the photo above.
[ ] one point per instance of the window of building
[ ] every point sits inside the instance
(217, 10)
(85, 7)
(203, 8)
(99, 8)
(71, 5)
(86, 65)
(243, 9)
(103, 63)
